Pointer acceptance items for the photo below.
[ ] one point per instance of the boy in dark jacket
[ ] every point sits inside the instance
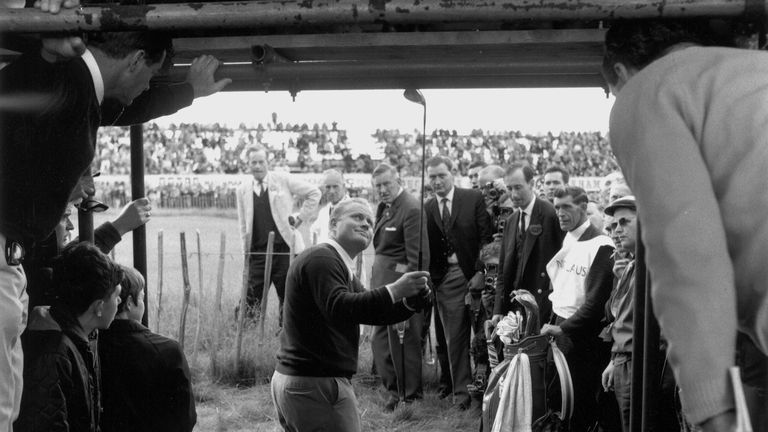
(61, 385)
(145, 376)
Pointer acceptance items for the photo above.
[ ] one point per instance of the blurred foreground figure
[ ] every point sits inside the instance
(62, 389)
(324, 305)
(689, 131)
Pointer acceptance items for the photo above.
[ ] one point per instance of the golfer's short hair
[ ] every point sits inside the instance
(343, 207)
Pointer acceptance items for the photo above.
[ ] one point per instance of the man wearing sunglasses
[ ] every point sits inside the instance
(617, 376)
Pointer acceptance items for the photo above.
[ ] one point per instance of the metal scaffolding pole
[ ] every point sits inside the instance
(298, 14)
(638, 337)
(137, 191)
(320, 70)
(651, 361)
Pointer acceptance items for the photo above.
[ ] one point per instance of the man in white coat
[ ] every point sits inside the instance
(335, 192)
(265, 204)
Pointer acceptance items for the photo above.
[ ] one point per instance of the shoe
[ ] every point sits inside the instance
(463, 404)
(391, 404)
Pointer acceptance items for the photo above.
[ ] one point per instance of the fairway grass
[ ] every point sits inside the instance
(240, 400)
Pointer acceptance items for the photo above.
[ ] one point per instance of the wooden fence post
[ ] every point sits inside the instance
(217, 308)
(199, 296)
(159, 280)
(187, 287)
(242, 311)
(267, 282)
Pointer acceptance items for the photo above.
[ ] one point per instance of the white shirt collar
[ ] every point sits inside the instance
(263, 182)
(344, 256)
(580, 230)
(98, 80)
(529, 208)
(449, 195)
(332, 205)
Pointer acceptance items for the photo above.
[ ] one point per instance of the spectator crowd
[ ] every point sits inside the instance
(206, 149)
(522, 249)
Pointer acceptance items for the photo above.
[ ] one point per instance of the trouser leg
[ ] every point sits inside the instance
(315, 403)
(455, 319)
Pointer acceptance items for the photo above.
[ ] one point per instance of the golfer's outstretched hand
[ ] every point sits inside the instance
(410, 284)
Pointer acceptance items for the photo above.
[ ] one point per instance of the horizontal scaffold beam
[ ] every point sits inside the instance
(381, 75)
(306, 13)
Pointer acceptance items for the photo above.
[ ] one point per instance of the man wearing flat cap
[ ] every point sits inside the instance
(617, 376)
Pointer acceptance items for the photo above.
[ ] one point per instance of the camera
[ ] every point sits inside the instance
(491, 192)
(493, 201)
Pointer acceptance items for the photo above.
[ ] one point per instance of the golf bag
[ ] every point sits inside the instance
(522, 392)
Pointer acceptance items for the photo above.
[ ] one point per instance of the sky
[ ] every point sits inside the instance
(362, 112)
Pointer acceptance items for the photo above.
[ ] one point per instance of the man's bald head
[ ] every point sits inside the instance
(489, 174)
(333, 185)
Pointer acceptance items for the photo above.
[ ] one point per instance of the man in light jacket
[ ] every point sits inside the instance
(264, 204)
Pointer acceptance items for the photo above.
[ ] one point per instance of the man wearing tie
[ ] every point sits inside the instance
(458, 227)
(396, 241)
(532, 236)
(335, 192)
(263, 205)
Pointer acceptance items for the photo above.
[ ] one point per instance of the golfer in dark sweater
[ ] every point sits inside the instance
(324, 305)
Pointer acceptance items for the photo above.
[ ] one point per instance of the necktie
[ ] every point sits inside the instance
(521, 228)
(258, 188)
(446, 214)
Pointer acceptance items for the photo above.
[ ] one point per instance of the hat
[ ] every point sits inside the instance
(627, 202)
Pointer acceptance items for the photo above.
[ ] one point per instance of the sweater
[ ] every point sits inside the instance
(322, 311)
(689, 131)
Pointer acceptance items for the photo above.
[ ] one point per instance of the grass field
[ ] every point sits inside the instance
(239, 400)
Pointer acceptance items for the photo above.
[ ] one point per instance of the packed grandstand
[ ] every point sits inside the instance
(195, 150)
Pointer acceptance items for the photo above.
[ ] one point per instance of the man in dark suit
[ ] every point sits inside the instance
(396, 241)
(47, 142)
(582, 278)
(458, 227)
(531, 238)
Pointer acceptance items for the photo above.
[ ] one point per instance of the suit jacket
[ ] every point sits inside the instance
(542, 241)
(396, 240)
(585, 323)
(282, 189)
(46, 144)
(469, 229)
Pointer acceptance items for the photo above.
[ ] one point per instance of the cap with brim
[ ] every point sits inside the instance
(627, 202)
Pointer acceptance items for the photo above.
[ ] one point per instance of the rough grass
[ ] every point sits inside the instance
(238, 399)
